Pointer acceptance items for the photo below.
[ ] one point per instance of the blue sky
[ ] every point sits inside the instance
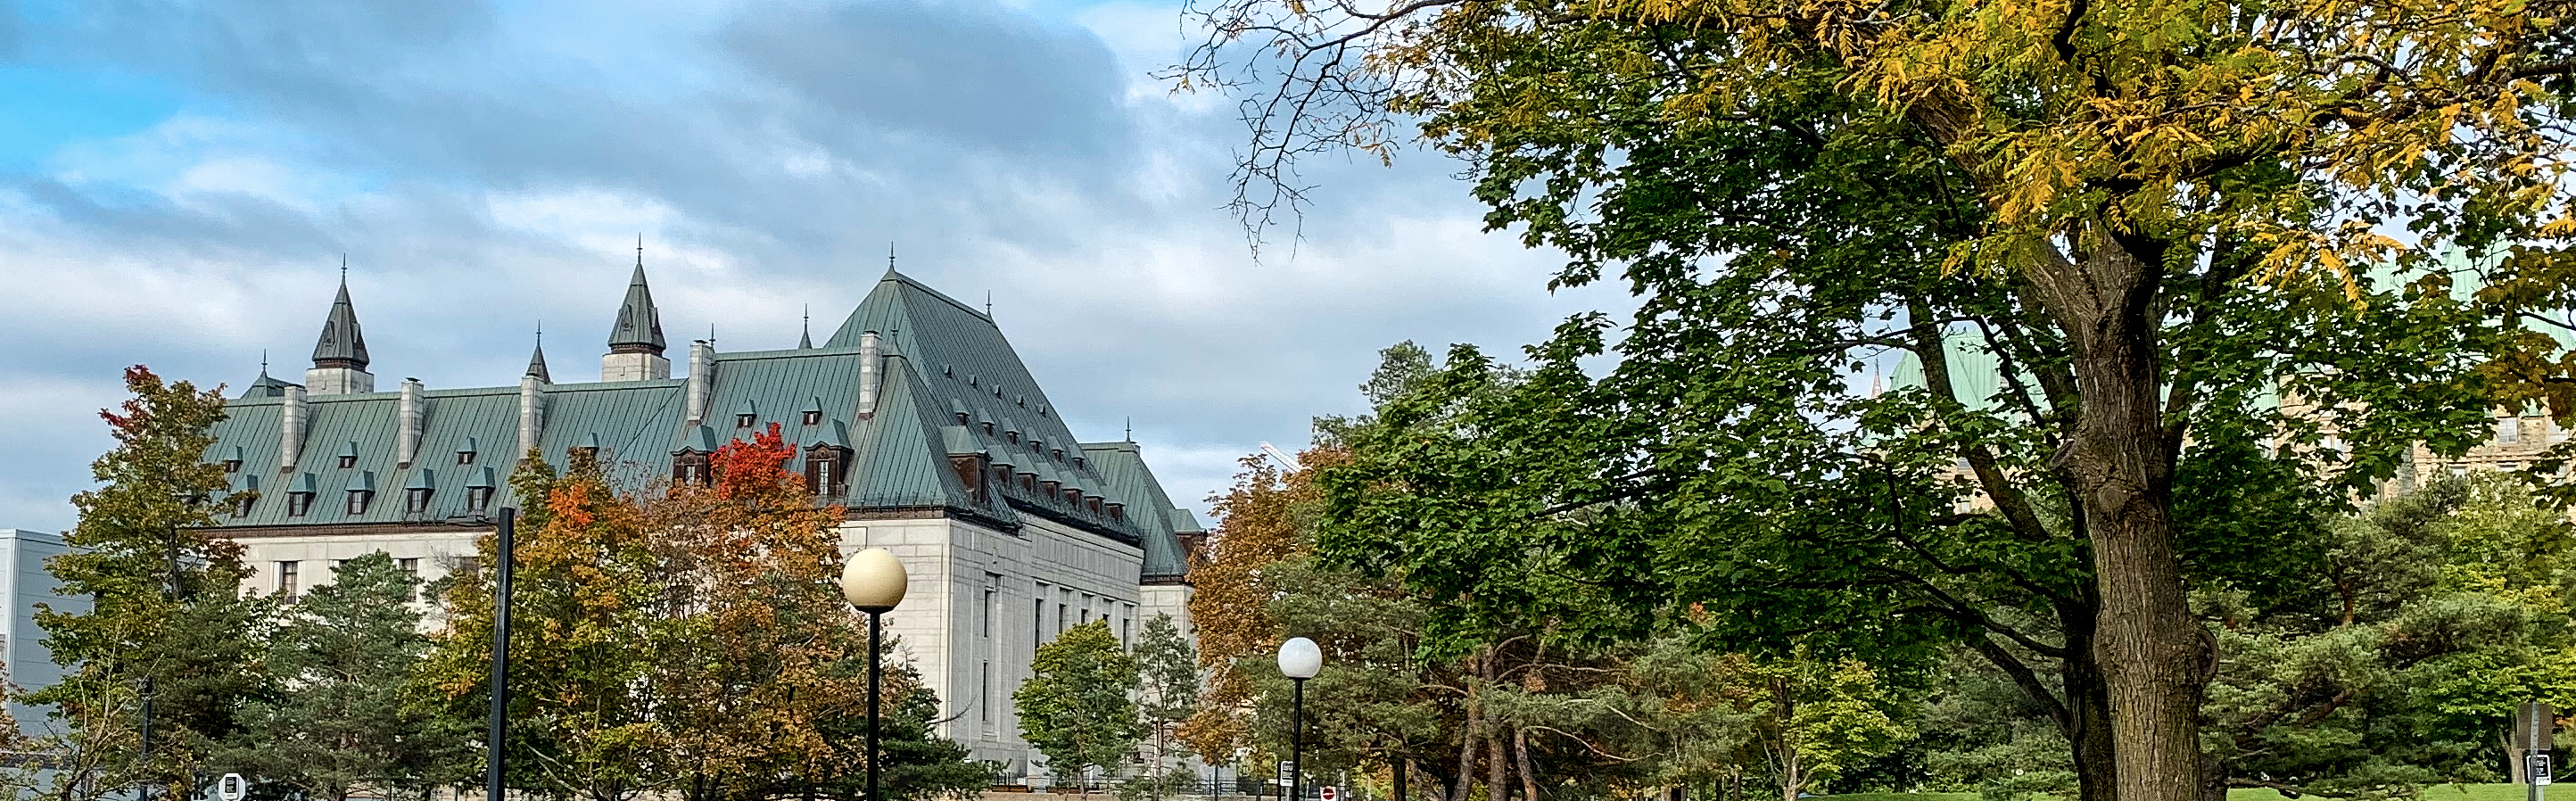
(179, 181)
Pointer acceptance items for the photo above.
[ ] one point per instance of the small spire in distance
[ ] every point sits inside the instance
(1131, 429)
(805, 339)
(537, 360)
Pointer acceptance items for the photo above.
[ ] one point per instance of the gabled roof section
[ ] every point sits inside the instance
(1133, 484)
(342, 344)
(639, 323)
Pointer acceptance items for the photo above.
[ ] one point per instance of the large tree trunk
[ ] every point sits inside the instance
(2154, 656)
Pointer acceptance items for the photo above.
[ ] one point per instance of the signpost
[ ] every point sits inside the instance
(1332, 793)
(231, 787)
(1287, 773)
(2535, 730)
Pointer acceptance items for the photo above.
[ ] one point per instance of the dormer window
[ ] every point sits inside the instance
(1002, 475)
(1058, 453)
(1117, 511)
(827, 470)
(465, 455)
(349, 456)
(689, 468)
(1013, 436)
(813, 417)
(988, 427)
(362, 491)
(1073, 497)
(297, 503)
(1050, 486)
(742, 420)
(744, 414)
(1028, 482)
(243, 502)
(589, 447)
(1092, 501)
(478, 499)
(416, 494)
(232, 466)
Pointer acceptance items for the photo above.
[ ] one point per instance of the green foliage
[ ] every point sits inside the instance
(1167, 670)
(165, 597)
(345, 723)
(1075, 707)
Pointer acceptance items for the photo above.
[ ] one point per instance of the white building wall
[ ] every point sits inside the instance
(315, 554)
(971, 621)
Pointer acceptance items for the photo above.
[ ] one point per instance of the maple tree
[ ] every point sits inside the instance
(752, 678)
(588, 622)
(165, 600)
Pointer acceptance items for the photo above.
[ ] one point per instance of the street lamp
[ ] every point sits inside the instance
(873, 581)
(1299, 659)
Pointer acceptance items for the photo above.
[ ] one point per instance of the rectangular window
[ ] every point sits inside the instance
(297, 503)
(477, 498)
(984, 692)
(286, 581)
(410, 567)
(1037, 623)
(469, 565)
(2509, 430)
(992, 605)
(1063, 616)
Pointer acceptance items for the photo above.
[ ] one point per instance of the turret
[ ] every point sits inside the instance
(635, 343)
(340, 356)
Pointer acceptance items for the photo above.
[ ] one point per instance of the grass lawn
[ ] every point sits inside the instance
(2439, 792)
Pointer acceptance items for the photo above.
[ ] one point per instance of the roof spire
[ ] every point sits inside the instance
(537, 360)
(639, 323)
(1131, 429)
(263, 361)
(988, 304)
(805, 340)
(889, 257)
(341, 344)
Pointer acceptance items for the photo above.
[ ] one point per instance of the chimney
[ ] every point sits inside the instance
(407, 439)
(869, 375)
(702, 379)
(290, 429)
(532, 414)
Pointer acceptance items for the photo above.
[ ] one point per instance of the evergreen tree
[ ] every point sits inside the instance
(346, 653)
(1168, 675)
(166, 607)
(1075, 708)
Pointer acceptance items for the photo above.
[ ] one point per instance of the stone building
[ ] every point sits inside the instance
(916, 415)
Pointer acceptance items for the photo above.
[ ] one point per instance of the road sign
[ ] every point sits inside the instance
(2534, 727)
(1287, 775)
(2537, 764)
(1331, 792)
(232, 788)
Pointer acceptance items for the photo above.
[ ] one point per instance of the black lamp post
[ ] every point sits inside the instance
(498, 726)
(1299, 660)
(874, 581)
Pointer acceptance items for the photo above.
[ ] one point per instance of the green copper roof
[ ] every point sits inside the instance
(421, 480)
(342, 344)
(639, 324)
(951, 388)
(1133, 484)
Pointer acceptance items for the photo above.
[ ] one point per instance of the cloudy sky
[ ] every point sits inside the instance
(179, 181)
